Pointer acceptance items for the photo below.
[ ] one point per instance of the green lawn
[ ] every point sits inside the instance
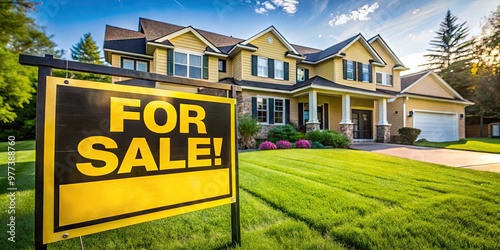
(313, 199)
(490, 145)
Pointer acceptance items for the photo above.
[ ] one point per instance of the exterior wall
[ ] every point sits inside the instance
(335, 112)
(430, 87)
(366, 104)
(396, 120)
(388, 68)
(116, 62)
(188, 41)
(326, 69)
(237, 66)
(177, 87)
(213, 69)
(276, 50)
(229, 69)
(420, 104)
(160, 61)
(247, 108)
(311, 68)
(356, 52)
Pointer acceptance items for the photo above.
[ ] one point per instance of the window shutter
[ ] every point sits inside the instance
(254, 107)
(360, 71)
(344, 66)
(301, 114)
(270, 110)
(254, 65)
(270, 68)
(326, 122)
(287, 111)
(306, 73)
(353, 70)
(205, 67)
(286, 71)
(370, 73)
(170, 62)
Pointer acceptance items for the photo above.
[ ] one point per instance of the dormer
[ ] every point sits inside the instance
(387, 77)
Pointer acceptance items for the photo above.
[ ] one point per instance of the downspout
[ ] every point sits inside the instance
(404, 111)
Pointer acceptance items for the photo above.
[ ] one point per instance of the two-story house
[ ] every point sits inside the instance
(354, 86)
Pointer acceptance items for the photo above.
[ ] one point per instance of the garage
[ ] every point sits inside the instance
(436, 126)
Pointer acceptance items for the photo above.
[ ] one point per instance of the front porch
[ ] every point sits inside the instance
(362, 118)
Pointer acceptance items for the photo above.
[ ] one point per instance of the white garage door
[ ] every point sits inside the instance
(436, 127)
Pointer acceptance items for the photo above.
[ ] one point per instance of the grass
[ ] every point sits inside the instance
(489, 145)
(314, 199)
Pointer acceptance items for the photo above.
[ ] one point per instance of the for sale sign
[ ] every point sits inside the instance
(119, 155)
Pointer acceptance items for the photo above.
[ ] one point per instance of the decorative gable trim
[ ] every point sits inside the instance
(399, 64)
(378, 60)
(439, 80)
(186, 30)
(273, 30)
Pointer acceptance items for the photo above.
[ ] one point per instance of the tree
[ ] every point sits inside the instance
(449, 45)
(86, 50)
(19, 34)
(248, 127)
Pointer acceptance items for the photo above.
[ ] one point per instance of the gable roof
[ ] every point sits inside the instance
(124, 40)
(280, 37)
(408, 81)
(388, 49)
(187, 30)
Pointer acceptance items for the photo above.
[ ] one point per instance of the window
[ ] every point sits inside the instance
(187, 65)
(279, 71)
(350, 70)
(279, 110)
(222, 65)
(301, 74)
(262, 109)
(365, 73)
(134, 64)
(384, 79)
(262, 66)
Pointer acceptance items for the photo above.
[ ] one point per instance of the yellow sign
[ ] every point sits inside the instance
(118, 155)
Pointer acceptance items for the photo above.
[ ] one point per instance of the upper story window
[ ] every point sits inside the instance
(262, 110)
(262, 66)
(357, 71)
(350, 70)
(134, 64)
(222, 65)
(279, 72)
(365, 72)
(384, 79)
(187, 65)
(302, 74)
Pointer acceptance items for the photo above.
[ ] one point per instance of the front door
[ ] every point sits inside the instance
(362, 120)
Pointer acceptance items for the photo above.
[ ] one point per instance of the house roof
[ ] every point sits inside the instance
(124, 40)
(388, 49)
(408, 80)
(332, 50)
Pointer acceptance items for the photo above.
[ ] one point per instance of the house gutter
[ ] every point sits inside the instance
(404, 110)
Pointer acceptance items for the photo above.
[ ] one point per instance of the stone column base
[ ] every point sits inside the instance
(384, 133)
(312, 126)
(347, 129)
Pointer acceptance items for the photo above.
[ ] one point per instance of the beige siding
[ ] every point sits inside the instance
(325, 69)
(213, 69)
(311, 68)
(335, 112)
(160, 61)
(188, 41)
(276, 50)
(396, 120)
(177, 87)
(430, 87)
(229, 69)
(388, 68)
(356, 52)
(236, 65)
(420, 104)
(116, 62)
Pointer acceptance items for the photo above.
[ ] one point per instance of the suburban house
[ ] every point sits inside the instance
(354, 86)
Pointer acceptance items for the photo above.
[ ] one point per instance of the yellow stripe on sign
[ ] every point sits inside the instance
(83, 202)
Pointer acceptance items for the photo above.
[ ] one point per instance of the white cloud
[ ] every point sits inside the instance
(415, 11)
(359, 14)
(320, 36)
(288, 6)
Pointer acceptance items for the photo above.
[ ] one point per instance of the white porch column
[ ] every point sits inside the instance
(346, 109)
(382, 109)
(313, 107)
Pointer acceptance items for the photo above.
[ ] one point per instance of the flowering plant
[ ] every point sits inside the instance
(303, 144)
(282, 144)
(267, 145)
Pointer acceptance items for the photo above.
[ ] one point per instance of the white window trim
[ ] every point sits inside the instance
(187, 52)
(267, 110)
(303, 70)
(349, 63)
(384, 79)
(367, 72)
(135, 61)
(284, 111)
(266, 66)
(275, 69)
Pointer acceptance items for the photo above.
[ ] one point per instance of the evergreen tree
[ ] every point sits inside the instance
(86, 50)
(449, 45)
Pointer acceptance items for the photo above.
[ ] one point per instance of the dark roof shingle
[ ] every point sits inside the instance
(124, 40)
(408, 80)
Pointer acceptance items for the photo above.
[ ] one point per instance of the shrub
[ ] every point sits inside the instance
(248, 127)
(302, 144)
(409, 135)
(282, 144)
(300, 136)
(286, 132)
(316, 144)
(267, 145)
(328, 138)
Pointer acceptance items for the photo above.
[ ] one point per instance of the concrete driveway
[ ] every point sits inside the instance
(449, 157)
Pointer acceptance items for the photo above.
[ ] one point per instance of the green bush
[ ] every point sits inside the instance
(328, 138)
(248, 127)
(316, 144)
(409, 135)
(286, 133)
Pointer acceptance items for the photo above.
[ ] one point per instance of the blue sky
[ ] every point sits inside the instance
(407, 26)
